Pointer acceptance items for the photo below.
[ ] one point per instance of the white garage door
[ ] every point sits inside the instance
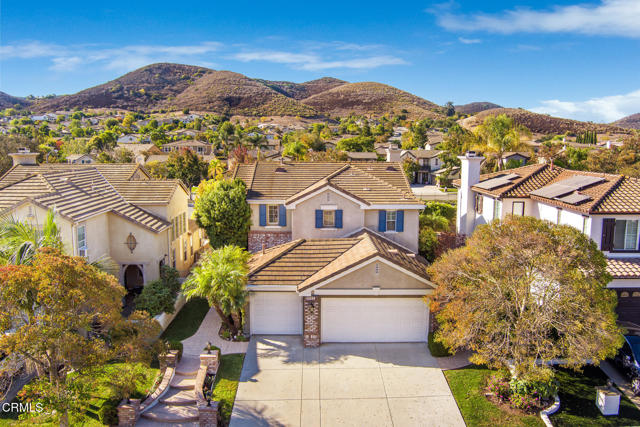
(275, 313)
(374, 319)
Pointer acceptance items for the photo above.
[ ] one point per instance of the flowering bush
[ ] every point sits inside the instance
(528, 403)
(498, 384)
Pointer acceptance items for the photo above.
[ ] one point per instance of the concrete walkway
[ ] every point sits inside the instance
(208, 332)
(620, 381)
(457, 361)
(364, 384)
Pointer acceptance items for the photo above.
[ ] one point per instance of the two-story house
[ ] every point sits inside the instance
(429, 162)
(336, 253)
(198, 147)
(605, 207)
(106, 210)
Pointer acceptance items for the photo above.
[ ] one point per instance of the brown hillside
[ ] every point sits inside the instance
(233, 93)
(629, 122)
(372, 99)
(542, 123)
(475, 107)
(8, 101)
(143, 88)
(303, 90)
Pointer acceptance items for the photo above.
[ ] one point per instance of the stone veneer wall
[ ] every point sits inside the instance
(268, 238)
(311, 315)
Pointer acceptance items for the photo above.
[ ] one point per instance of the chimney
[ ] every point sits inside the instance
(469, 176)
(24, 157)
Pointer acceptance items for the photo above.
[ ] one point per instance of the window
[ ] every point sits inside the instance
(191, 243)
(517, 209)
(479, 203)
(328, 218)
(624, 294)
(391, 220)
(184, 249)
(585, 224)
(497, 209)
(272, 215)
(173, 257)
(625, 235)
(559, 216)
(82, 241)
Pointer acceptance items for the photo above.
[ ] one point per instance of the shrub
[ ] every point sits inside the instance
(427, 243)
(108, 413)
(169, 277)
(525, 402)
(498, 384)
(446, 210)
(156, 298)
(436, 348)
(542, 386)
(176, 345)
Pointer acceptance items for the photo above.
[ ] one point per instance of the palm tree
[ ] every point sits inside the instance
(20, 240)
(498, 135)
(296, 149)
(216, 169)
(221, 278)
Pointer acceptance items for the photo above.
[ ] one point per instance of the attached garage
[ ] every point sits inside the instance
(374, 319)
(275, 313)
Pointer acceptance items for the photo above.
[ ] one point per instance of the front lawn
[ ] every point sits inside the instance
(467, 385)
(577, 401)
(227, 384)
(187, 321)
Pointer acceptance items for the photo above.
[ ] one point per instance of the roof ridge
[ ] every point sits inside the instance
(253, 174)
(292, 244)
(403, 192)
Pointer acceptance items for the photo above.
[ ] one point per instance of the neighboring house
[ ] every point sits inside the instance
(80, 159)
(516, 157)
(128, 139)
(605, 207)
(197, 147)
(429, 163)
(301, 200)
(112, 210)
(44, 117)
(365, 156)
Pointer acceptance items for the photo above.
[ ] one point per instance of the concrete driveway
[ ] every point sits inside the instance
(284, 384)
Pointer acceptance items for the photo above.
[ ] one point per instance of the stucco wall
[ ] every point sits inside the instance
(303, 218)
(255, 220)
(366, 277)
(408, 237)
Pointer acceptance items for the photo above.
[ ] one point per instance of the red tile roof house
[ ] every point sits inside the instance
(606, 207)
(339, 262)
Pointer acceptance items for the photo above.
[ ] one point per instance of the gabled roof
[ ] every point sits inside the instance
(76, 194)
(368, 182)
(151, 192)
(421, 154)
(187, 143)
(110, 171)
(307, 262)
(608, 193)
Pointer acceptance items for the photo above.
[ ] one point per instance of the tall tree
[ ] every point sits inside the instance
(20, 240)
(221, 209)
(524, 291)
(187, 166)
(499, 134)
(296, 150)
(43, 308)
(221, 278)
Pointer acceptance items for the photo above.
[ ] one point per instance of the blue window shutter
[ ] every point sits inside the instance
(382, 220)
(339, 218)
(282, 215)
(399, 221)
(263, 215)
(318, 218)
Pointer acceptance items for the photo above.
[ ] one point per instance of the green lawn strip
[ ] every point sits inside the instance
(226, 385)
(467, 385)
(187, 321)
(577, 401)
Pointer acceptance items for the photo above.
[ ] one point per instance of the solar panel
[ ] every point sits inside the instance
(492, 183)
(579, 182)
(552, 191)
(575, 198)
(511, 176)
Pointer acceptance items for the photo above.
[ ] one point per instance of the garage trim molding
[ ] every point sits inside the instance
(272, 288)
(373, 292)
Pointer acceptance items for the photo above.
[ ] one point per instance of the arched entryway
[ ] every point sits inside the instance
(133, 279)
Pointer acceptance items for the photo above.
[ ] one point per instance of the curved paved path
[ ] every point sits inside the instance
(208, 332)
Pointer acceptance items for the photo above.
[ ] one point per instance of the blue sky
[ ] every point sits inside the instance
(564, 57)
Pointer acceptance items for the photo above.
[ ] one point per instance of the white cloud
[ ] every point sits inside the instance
(314, 62)
(606, 109)
(469, 41)
(609, 18)
(125, 58)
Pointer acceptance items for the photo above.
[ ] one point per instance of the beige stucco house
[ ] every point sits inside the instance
(336, 253)
(112, 210)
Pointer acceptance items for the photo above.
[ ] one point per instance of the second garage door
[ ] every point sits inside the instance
(374, 319)
(275, 313)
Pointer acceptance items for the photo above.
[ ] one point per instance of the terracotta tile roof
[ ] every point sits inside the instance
(111, 171)
(613, 194)
(364, 155)
(76, 194)
(369, 182)
(422, 154)
(306, 262)
(624, 268)
(151, 192)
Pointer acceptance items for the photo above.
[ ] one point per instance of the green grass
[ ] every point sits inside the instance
(187, 321)
(467, 385)
(99, 394)
(577, 401)
(436, 348)
(226, 385)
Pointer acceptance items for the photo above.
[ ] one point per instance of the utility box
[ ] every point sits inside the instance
(608, 400)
